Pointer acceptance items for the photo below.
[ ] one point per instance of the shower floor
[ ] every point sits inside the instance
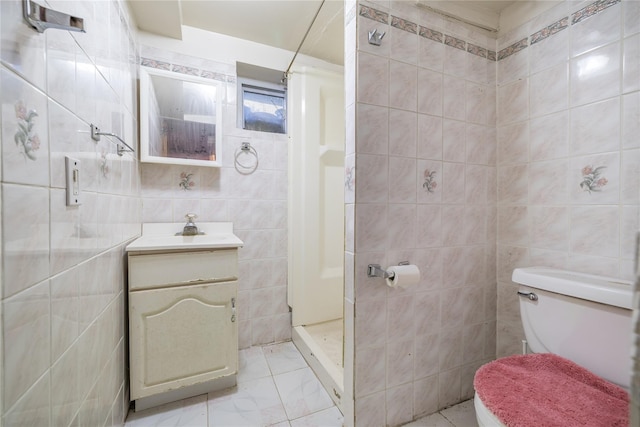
(328, 335)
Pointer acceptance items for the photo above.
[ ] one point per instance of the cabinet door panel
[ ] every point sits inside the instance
(181, 336)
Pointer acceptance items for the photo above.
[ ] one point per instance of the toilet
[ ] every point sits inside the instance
(576, 370)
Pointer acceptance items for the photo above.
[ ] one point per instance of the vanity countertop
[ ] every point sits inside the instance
(162, 236)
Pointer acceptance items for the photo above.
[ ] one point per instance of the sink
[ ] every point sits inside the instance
(161, 236)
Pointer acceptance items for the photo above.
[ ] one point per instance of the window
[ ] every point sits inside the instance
(262, 99)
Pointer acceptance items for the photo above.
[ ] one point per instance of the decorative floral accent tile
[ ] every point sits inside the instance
(514, 48)
(160, 65)
(185, 181)
(350, 178)
(183, 69)
(476, 50)
(455, 42)
(213, 76)
(26, 138)
(104, 167)
(592, 179)
(491, 55)
(403, 24)
(430, 183)
(374, 14)
(591, 10)
(552, 29)
(430, 34)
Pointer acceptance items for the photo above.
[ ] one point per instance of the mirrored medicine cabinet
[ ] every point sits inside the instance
(180, 119)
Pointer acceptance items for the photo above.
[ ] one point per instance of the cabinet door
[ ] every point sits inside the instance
(181, 336)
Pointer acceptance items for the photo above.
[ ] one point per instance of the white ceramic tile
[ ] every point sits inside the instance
(513, 143)
(370, 370)
(430, 54)
(631, 64)
(301, 393)
(371, 318)
(549, 227)
(33, 408)
(428, 226)
(21, 47)
(433, 420)
(631, 16)
(331, 417)
(595, 75)
(65, 401)
(631, 120)
(549, 136)
(452, 218)
(551, 184)
(595, 128)
(462, 414)
(601, 266)
(25, 236)
(513, 67)
(400, 404)
(64, 311)
(402, 133)
(251, 403)
(453, 141)
(549, 90)
(403, 45)
(283, 358)
(402, 180)
(371, 410)
(427, 349)
(401, 226)
(365, 25)
(455, 61)
(513, 184)
(453, 177)
(450, 341)
(481, 145)
(630, 177)
(373, 79)
(373, 129)
(454, 98)
(595, 230)
(430, 92)
(549, 52)
(596, 31)
(429, 145)
(371, 227)
(372, 178)
(513, 102)
(27, 340)
(449, 387)
(476, 101)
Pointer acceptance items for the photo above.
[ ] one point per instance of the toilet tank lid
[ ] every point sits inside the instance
(605, 290)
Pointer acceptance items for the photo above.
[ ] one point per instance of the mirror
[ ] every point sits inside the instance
(180, 119)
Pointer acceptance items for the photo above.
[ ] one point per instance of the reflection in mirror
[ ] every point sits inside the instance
(179, 119)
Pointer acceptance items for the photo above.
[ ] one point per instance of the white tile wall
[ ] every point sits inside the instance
(62, 267)
(582, 92)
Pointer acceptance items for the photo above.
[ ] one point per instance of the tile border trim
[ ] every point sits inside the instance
(538, 36)
(183, 69)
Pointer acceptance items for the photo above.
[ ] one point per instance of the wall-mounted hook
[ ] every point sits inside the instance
(375, 38)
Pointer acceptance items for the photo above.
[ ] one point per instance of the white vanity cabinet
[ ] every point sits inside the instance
(183, 333)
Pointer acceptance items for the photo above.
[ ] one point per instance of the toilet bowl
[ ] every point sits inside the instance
(577, 330)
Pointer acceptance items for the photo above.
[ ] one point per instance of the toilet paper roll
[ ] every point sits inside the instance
(404, 276)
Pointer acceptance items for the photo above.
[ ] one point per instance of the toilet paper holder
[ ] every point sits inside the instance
(374, 270)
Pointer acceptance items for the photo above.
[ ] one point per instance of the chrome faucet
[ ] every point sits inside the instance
(190, 228)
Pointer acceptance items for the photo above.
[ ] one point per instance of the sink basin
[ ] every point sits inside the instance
(161, 236)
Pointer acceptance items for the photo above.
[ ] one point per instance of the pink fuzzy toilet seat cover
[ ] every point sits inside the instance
(546, 390)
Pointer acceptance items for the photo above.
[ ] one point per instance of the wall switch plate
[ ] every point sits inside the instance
(72, 168)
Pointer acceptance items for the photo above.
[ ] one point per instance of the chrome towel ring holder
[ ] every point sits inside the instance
(246, 150)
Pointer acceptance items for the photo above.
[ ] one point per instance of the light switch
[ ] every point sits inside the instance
(72, 168)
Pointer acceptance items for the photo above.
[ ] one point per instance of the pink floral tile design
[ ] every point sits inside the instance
(550, 30)
(430, 34)
(26, 138)
(491, 55)
(403, 24)
(477, 50)
(592, 181)
(152, 63)
(455, 42)
(430, 183)
(514, 48)
(350, 178)
(185, 181)
(183, 69)
(374, 14)
(592, 9)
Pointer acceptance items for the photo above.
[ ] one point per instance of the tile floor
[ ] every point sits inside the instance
(275, 388)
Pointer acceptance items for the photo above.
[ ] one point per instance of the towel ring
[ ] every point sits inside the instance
(245, 169)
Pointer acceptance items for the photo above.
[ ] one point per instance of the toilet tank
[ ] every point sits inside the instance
(581, 317)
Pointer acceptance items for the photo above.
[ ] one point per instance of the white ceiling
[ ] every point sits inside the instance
(283, 23)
